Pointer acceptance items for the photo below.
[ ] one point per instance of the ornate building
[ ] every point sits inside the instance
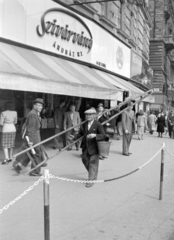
(162, 51)
(129, 21)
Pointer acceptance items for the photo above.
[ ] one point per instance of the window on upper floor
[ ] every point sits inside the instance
(135, 24)
(146, 40)
(128, 19)
(112, 11)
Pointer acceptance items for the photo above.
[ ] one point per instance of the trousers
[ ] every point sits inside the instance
(91, 164)
(56, 143)
(126, 142)
(37, 158)
(140, 132)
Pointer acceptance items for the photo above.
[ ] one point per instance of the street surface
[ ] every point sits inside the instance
(124, 209)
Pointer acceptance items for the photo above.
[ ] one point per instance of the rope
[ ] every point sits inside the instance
(125, 175)
(111, 179)
(76, 181)
(168, 152)
(151, 158)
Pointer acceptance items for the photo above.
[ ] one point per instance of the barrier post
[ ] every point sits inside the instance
(161, 172)
(46, 205)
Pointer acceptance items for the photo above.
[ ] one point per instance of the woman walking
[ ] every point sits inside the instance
(160, 124)
(8, 119)
(141, 124)
(152, 122)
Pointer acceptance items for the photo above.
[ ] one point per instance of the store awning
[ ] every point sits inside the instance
(28, 70)
(120, 83)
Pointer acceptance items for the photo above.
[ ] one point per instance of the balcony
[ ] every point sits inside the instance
(169, 42)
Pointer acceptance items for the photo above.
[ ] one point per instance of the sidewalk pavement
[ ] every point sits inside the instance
(124, 209)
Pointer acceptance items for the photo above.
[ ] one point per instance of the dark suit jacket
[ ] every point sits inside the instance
(59, 117)
(91, 144)
(103, 119)
(33, 124)
(128, 121)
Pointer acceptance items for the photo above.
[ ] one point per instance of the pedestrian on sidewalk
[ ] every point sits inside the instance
(102, 117)
(92, 131)
(71, 119)
(32, 125)
(160, 124)
(8, 120)
(128, 124)
(119, 123)
(59, 113)
(152, 122)
(170, 121)
(141, 124)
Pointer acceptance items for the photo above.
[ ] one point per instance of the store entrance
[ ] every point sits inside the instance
(22, 103)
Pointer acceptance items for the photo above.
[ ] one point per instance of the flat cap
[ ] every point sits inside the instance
(90, 111)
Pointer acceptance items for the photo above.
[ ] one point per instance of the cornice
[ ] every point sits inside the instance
(107, 21)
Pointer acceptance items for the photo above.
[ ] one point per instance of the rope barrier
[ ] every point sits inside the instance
(50, 176)
(168, 152)
(22, 194)
(151, 158)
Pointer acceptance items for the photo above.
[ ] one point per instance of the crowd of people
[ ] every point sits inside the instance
(97, 127)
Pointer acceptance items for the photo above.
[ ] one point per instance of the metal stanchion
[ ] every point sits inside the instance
(46, 206)
(161, 172)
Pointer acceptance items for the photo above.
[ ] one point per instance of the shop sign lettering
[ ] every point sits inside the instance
(65, 33)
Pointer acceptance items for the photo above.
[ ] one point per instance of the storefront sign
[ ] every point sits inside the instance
(54, 28)
(62, 34)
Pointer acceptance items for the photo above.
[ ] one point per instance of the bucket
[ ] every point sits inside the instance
(103, 148)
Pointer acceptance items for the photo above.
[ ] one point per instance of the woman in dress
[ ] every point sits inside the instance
(8, 119)
(160, 124)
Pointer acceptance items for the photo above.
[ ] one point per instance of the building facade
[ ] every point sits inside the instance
(67, 49)
(129, 21)
(161, 56)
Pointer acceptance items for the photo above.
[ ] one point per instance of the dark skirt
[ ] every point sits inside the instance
(8, 139)
(160, 128)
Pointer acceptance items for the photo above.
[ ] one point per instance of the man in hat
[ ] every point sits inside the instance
(128, 125)
(32, 125)
(92, 131)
